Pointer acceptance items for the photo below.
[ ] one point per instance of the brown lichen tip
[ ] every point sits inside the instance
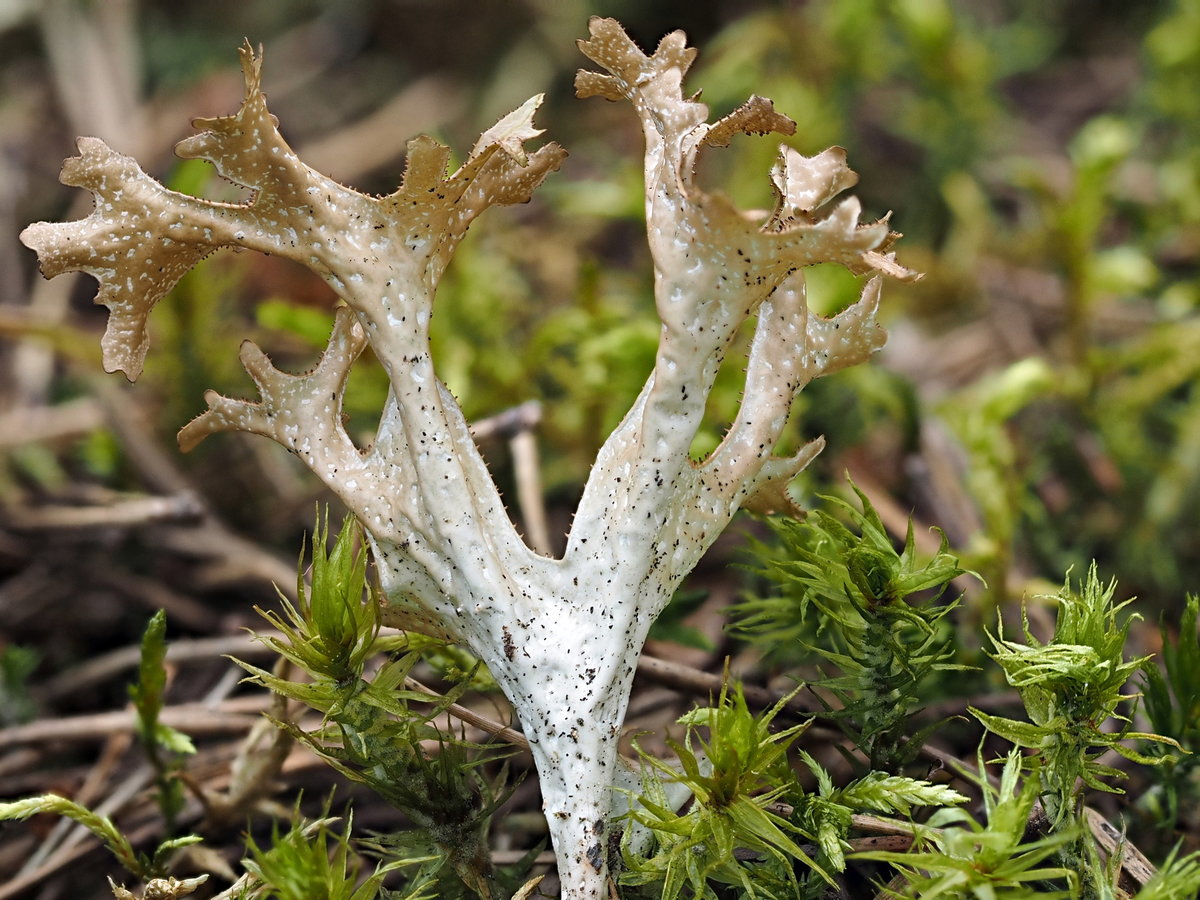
(512, 131)
(134, 252)
(613, 49)
(292, 406)
(756, 116)
(806, 227)
(246, 147)
(141, 238)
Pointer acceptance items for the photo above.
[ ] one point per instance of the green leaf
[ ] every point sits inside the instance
(173, 740)
(147, 693)
(830, 831)
(886, 793)
(101, 826)
(1022, 734)
(1176, 877)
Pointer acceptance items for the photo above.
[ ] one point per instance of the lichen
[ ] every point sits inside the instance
(561, 636)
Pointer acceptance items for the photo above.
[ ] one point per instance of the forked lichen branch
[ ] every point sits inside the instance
(561, 636)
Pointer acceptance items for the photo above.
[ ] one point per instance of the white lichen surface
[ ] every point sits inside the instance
(561, 636)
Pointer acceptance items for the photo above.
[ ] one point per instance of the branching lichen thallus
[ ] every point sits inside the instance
(561, 636)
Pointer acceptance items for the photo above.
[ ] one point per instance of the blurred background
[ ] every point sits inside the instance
(1037, 400)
